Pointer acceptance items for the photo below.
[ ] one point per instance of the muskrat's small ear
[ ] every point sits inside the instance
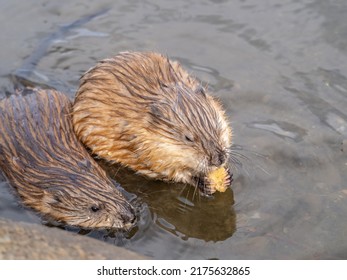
(53, 195)
(155, 111)
(200, 90)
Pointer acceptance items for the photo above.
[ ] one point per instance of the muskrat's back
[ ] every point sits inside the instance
(146, 112)
(50, 169)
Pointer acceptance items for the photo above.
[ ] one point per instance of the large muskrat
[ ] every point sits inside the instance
(50, 169)
(147, 113)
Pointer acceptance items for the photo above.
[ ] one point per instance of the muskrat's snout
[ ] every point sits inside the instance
(113, 213)
(218, 159)
(99, 209)
(129, 216)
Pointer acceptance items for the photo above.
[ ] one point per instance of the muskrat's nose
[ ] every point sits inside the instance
(218, 159)
(129, 216)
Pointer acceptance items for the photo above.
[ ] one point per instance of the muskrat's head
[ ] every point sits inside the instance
(145, 112)
(90, 208)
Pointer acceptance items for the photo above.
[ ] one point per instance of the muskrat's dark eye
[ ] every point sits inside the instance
(189, 138)
(95, 208)
(57, 198)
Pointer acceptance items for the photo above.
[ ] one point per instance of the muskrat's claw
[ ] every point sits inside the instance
(205, 188)
(229, 178)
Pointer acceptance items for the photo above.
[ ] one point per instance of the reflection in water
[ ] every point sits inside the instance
(282, 129)
(180, 209)
(219, 82)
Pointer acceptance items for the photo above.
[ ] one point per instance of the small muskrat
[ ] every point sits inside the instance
(50, 169)
(147, 113)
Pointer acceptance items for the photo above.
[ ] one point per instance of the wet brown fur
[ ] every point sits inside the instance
(146, 112)
(50, 169)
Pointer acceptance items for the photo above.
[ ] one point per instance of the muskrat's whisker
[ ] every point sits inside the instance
(235, 150)
(239, 159)
(235, 161)
(240, 148)
(116, 172)
(186, 198)
(238, 154)
(182, 189)
(196, 192)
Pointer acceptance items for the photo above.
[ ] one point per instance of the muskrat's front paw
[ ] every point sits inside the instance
(205, 189)
(217, 180)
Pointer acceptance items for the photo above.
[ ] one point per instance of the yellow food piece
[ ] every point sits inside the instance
(217, 179)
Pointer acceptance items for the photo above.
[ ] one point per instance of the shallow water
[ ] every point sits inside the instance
(279, 68)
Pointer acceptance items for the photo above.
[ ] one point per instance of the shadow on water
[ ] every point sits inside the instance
(179, 209)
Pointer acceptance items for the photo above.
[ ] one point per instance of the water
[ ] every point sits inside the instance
(279, 68)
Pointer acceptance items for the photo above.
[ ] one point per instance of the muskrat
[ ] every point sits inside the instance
(146, 112)
(50, 169)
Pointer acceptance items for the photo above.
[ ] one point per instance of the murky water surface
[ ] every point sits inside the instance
(280, 69)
